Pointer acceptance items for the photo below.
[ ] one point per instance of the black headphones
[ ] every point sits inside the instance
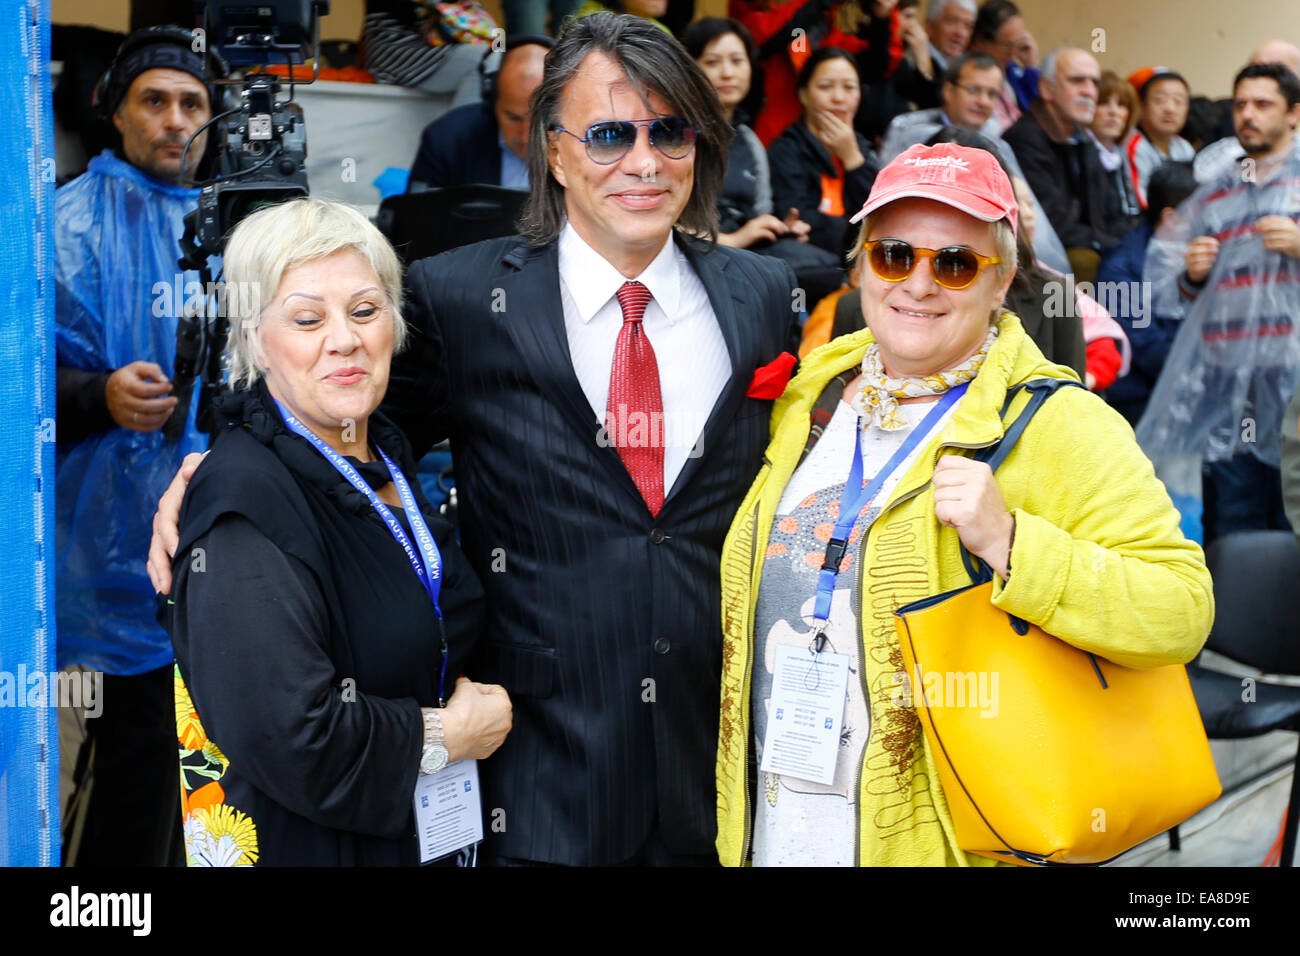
(488, 78)
(111, 87)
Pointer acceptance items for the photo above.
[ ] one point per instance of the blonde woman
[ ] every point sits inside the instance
(866, 493)
(321, 612)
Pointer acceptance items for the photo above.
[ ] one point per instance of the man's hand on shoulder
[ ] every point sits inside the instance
(166, 525)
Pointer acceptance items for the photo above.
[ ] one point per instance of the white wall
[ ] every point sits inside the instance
(1205, 40)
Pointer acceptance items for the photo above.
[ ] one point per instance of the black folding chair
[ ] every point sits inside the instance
(1257, 623)
(427, 223)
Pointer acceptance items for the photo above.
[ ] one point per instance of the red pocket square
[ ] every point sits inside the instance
(771, 379)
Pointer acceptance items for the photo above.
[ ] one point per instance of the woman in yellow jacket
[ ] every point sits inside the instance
(870, 446)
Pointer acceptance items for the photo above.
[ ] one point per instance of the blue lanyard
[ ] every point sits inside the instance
(856, 497)
(428, 570)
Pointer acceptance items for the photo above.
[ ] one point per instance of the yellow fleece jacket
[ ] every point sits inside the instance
(1098, 561)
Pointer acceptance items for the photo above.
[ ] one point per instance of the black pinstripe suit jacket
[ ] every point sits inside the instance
(603, 622)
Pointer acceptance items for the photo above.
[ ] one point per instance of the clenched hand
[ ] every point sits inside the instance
(967, 497)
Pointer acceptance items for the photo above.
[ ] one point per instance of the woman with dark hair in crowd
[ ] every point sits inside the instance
(725, 52)
(1117, 114)
(821, 165)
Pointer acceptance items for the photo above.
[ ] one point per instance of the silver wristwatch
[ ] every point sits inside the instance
(434, 756)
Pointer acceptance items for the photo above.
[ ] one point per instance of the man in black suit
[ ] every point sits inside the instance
(485, 142)
(604, 621)
(603, 439)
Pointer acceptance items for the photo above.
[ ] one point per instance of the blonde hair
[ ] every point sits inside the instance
(275, 239)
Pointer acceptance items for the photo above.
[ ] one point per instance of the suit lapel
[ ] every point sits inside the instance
(535, 322)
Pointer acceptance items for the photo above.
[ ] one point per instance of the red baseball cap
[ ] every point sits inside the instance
(963, 177)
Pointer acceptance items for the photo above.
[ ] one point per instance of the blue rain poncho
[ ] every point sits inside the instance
(1235, 361)
(119, 294)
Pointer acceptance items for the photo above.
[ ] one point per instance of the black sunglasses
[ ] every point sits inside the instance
(609, 141)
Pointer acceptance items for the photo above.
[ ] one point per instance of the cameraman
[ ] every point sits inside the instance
(119, 293)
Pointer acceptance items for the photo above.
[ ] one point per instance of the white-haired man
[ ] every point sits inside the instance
(934, 45)
(1061, 164)
(949, 24)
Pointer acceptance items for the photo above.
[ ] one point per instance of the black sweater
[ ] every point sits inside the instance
(798, 162)
(307, 642)
(81, 404)
(1067, 177)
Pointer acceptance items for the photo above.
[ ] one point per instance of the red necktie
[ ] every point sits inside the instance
(634, 415)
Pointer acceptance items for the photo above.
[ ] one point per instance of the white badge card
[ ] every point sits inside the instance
(448, 815)
(805, 713)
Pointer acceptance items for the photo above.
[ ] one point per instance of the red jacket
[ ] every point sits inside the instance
(765, 20)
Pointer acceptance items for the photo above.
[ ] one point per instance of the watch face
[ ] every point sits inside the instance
(433, 759)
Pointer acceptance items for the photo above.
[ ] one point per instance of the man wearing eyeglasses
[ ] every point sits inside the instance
(594, 378)
(970, 88)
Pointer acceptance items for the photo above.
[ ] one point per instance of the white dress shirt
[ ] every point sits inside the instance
(679, 323)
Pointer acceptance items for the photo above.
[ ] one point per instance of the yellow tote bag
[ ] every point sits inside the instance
(1048, 754)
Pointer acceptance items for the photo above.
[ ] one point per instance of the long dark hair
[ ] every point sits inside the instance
(990, 18)
(820, 56)
(653, 61)
(697, 37)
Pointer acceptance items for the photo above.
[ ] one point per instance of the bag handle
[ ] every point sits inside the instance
(995, 455)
